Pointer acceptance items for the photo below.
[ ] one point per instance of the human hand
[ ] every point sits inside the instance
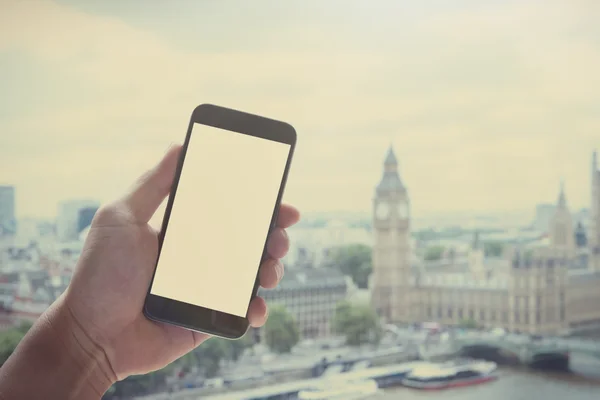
(109, 286)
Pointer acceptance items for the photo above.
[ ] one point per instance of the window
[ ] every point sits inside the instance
(482, 315)
(562, 307)
(563, 261)
(560, 234)
(466, 374)
(450, 312)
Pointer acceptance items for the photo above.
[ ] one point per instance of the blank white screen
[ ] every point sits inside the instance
(220, 219)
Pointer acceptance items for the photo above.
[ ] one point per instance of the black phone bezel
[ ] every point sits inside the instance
(193, 317)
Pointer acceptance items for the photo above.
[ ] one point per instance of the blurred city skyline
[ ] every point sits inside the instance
(488, 106)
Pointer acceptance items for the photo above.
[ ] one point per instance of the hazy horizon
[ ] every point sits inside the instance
(488, 105)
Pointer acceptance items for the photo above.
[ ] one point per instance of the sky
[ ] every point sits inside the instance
(488, 104)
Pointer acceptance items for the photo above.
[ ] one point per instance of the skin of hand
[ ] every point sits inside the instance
(96, 329)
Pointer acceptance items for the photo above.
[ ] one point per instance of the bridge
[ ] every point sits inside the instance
(515, 349)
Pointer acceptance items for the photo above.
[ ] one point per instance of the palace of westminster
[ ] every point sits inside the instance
(549, 289)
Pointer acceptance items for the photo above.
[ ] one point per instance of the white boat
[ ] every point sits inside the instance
(332, 370)
(341, 390)
(450, 374)
(361, 365)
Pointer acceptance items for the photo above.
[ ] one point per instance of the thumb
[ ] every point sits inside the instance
(151, 188)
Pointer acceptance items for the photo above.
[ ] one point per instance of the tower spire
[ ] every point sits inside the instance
(595, 170)
(390, 158)
(390, 182)
(476, 245)
(562, 199)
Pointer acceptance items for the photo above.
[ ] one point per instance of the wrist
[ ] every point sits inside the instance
(87, 357)
(56, 359)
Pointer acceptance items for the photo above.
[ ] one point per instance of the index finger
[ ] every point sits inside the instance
(288, 216)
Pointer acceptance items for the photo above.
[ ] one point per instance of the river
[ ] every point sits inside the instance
(517, 384)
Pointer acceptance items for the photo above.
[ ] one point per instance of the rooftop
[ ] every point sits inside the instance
(390, 158)
(391, 182)
(310, 278)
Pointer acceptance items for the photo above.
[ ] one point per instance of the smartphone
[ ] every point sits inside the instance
(224, 202)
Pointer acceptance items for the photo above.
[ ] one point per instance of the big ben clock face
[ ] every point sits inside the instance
(403, 210)
(382, 211)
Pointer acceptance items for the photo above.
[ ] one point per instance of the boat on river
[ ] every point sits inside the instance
(381, 377)
(342, 390)
(452, 374)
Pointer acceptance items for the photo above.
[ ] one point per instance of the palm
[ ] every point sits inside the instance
(112, 287)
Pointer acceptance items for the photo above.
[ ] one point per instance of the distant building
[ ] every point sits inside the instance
(32, 278)
(8, 221)
(552, 288)
(73, 217)
(391, 251)
(27, 294)
(594, 228)
(580, 236)
(561, 233)
(312, 247)
(27, 230)
(311, 296)
(84, 220)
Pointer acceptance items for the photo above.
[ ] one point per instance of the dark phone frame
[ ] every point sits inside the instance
(193, 317)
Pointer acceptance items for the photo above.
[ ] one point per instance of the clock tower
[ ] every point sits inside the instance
(391, 250)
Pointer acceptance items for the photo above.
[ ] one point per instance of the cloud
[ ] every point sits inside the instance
(471, 96)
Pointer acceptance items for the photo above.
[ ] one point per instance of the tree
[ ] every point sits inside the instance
(493, 249)
(358, 323)
(208, 356)
(452, 254)
(281, 331)
(468, 324)
(24, 327)
(434, 253)
(354, 260)
(10, 338)
(137, 385)
(237, 347)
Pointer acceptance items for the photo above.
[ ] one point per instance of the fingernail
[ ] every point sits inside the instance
(279, 270)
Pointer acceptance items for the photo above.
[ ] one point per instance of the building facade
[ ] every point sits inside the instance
(8, 220)
(553, 288)
(543, 216)
(72, 216)
(391, 249)
(594, 230)
(311, 296)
